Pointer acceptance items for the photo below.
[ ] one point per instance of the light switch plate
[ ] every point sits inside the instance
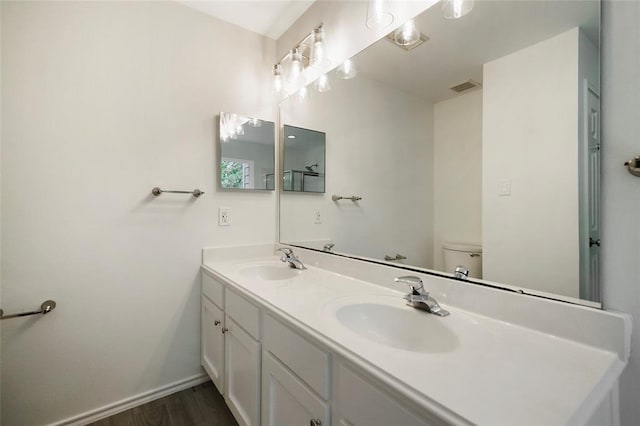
(504, 187)
(317, 218)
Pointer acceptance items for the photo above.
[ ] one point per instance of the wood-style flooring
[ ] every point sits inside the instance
(201, 405)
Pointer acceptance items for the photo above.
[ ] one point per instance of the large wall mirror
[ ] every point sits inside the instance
(478, 147)
(247, 152)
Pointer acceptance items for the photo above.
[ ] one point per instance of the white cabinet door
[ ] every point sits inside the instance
(356, 401)
(286, 401)
(243, 374)
(212, 341)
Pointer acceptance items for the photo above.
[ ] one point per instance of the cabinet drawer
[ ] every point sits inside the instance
(213, 289)
(244, 313)
(286, 400)
(356, 401)
(304, 358)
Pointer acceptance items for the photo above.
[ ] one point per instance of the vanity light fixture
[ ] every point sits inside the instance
(346, 70)
(299, 65)
(378, 14)
(454, 9)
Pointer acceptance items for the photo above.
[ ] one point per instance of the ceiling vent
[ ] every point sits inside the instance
(464, 86)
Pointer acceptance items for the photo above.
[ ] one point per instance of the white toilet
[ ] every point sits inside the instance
(463, 254)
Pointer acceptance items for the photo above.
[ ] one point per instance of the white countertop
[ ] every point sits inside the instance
(485, 370)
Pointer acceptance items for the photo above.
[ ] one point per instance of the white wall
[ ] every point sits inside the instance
(527, 140)
(367, 121)
(101, 101)
(457, 189)
(620, 190)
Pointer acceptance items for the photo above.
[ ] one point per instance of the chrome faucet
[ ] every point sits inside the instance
(328, 247)
(419, 298)
(291, 258)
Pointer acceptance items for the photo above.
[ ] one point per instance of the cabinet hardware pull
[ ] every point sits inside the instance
(224, 330)
(216, 322)
(315, 422)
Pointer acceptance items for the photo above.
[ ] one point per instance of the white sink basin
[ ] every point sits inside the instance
(400, 326)
(269, 272)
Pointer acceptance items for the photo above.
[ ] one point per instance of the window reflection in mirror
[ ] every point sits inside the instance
(304, 160)
(247, 157)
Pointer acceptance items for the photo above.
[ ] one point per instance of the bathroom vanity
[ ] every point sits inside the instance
(335, 344)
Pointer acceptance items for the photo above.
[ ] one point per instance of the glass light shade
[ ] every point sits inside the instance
(322, 84)
(407, 34)
(296, 65)
(346, 70)
(319, 49)
(301, 95)
(296, 70)
(454, 9)
(378, 14)
(278, 85)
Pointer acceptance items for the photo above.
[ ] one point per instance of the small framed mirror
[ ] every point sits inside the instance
(247, 152)
(304, 160)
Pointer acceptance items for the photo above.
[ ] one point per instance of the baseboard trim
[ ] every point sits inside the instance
(134, 401)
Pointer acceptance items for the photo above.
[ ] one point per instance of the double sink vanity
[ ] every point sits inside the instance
(337, 344)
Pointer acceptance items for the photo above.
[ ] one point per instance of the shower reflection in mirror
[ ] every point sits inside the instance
(304, 160)
(247, 158)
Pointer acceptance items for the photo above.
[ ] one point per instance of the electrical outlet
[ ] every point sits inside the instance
(224, 216)
(317, 217)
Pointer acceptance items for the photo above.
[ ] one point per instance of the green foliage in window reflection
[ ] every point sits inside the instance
(231, 174)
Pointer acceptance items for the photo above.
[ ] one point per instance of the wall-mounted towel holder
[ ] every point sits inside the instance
(340, 197)
(46, 307)
(157, 191)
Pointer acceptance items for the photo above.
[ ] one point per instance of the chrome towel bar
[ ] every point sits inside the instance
(46, 307)
(340, 197)
(157, 191)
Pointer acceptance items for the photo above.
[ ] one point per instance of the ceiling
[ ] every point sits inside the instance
(270, 18)
(457, 49)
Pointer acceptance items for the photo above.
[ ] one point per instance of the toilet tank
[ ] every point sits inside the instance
(463, 254)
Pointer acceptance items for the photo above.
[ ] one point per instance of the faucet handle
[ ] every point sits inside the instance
(461, 272)
(412, 281)
(286, 250)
